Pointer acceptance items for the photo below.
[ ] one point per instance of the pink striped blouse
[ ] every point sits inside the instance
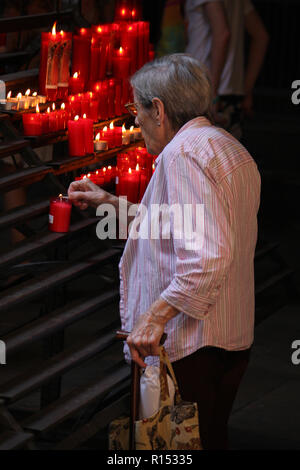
(213, 286)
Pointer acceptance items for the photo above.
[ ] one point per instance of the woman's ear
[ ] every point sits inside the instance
(159, 110)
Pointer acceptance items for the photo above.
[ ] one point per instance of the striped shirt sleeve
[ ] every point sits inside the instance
(200, 271)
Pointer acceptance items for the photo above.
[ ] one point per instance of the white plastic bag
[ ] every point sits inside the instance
(150, 392)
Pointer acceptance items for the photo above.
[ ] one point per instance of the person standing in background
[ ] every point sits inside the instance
(216, 31)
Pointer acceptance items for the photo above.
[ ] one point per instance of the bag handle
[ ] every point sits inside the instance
(165, 364)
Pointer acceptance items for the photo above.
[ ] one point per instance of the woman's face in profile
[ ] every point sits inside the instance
(152, 134)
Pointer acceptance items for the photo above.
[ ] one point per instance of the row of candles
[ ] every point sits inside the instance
(80, 130)
(113, 50)
(131, 177)
(82, 141)
(21, 102)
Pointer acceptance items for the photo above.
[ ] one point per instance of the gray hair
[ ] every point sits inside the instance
(180, 82)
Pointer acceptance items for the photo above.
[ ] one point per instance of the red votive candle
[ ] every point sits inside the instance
(60, 214)
(76, 84)
(32, 123)
(53, 120)
(88, 130)
(76, 137)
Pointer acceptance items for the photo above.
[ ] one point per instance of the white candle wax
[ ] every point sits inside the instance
(137, 133)
(100, 145)
(125, 138)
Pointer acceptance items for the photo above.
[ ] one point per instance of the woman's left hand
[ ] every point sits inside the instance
(144, 339)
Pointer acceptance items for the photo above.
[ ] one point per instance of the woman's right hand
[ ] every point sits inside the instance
(84, 193)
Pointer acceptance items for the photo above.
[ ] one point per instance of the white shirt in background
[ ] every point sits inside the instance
(200, 41)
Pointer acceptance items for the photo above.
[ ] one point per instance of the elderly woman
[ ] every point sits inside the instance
(201, 296)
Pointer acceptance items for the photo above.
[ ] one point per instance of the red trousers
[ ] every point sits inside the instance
(211, 377)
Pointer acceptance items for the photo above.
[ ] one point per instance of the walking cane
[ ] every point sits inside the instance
(135, 388)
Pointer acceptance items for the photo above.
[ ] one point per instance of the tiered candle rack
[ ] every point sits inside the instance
(44, 265)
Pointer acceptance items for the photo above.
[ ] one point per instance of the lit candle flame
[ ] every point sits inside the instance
(60, 197)
(76, 118)
(75, 75)
(37, 109)
(91, 94)
(97, 172)
(34, 94)
(105, 129)
(89, 175)
(153, 166)
(137, 167)
(133, 13)
(123, 128)
(53, 106)
(84, 116)
(130, 171)
(99, 29)
(104, 169)
(83, 30)
(27, 93)
(111, 126)
(98, 136)
(63, 106)
(121, 50)
(19, 96)
(54, 29)
(131, 129)
(9, 95)
(109, 167)
(48, 110)
(123, 12)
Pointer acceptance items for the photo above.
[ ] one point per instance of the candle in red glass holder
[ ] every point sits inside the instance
(118, 136)
(144, 180)
(60, 214)
(45, 122)
(102, 90)
(121, 63)
(99, 178)
(74, 106)
(123, 12)
(109, 135)
(64, 65)
(107, 175)
(32, 123)
(53, 120)
(76, 84)
(49, 63)
(93, 108)
(62, 117)
(76, 137)
(81, 54)
(111, 171)
(129, 185)
(111, 98)
(128, 41)
(84, 105)
(88, 130)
